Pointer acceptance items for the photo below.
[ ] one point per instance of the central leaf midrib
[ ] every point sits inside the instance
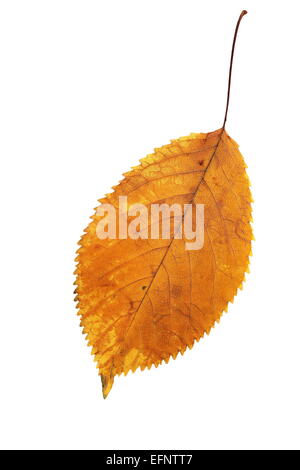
(168, 247)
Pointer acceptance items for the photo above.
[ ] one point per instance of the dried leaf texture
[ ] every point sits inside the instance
(143, 301)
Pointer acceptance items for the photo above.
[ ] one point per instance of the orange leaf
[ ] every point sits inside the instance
(144, 300)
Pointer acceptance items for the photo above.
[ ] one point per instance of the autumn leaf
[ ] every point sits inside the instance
(142, 301)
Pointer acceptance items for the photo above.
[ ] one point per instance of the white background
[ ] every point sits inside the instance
(87, 88)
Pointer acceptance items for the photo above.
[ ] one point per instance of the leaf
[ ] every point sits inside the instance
(143, 301)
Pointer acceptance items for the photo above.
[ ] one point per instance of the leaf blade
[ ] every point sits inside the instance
(171, 297)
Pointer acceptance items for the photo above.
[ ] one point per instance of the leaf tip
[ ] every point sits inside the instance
(107, 383)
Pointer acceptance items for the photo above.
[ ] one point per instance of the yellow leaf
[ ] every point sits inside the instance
(142, 301)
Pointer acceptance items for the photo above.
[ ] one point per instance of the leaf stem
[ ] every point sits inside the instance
(244, 12)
